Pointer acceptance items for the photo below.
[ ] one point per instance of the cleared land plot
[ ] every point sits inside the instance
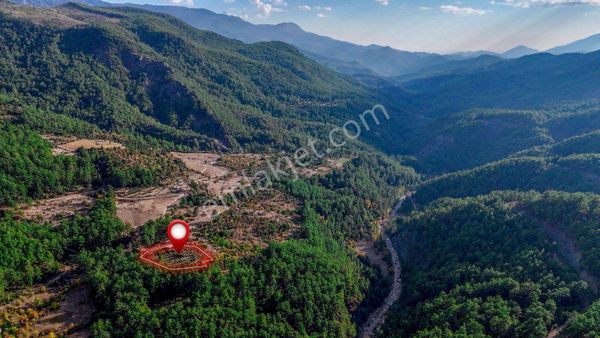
(53, 210)
(137, 207)
(267, 216)
(71, 147)
(367, 249)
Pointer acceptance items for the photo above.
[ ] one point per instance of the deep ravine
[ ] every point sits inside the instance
(377, 317)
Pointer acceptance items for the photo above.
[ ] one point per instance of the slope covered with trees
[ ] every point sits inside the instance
(29, 170)
(504, 264)
(492, 266)
(469, 139)
(473, 138)
(150, 74)
(527, 82)
(572, 173)
(305, 286)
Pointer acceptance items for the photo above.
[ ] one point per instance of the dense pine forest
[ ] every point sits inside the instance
(496, 266)
(499, 235)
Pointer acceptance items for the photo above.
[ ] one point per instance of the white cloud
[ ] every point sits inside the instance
(424, 8)
(304, 8)
(265, 8)
(547, 3)
(321, 15)
(383, 2)
(462, 10)
(188, 3)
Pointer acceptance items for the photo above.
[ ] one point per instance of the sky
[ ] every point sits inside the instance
(442, 26)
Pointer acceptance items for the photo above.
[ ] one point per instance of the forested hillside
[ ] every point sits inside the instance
(530, 81)
(29, 170)
(497, 266)
(498, 164)
(156, 84)
(263, 295)
(479, 136)
(466, 140)
(572, 173)
(175, 83)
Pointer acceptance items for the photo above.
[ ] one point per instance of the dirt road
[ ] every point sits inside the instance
(377, 317)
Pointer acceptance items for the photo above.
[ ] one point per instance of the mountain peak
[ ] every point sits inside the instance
(519, 51)
(289, 27)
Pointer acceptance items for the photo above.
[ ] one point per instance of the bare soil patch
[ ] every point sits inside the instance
(207, 213)
(219, 179)
(204, 163)
(270, 215)
(368, 249)
(53, 210)
(74, 311)
(325, 168)
(71, 147)
(138, 206)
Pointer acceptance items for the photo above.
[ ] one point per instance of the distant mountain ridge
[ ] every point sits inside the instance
(345, 57)
(385, 61)
(529, 81)
(587, 45)
(382, 60)
(54, 3)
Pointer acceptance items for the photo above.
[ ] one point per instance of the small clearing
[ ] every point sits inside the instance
(70, 147)
(138, 206)
(220, 180)
(207, 213)
(270, 215)
(570, 252)
(368, 249)
(53, 210)
(325, 168)
(221, 174)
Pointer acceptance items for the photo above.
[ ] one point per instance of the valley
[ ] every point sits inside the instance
(377, 317)
(472, 210)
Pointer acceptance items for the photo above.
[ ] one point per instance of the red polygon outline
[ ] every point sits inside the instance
(146, 255)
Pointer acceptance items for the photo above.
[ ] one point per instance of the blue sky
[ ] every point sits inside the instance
(432, 25)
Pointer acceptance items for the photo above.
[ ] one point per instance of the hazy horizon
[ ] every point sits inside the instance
(429, 26)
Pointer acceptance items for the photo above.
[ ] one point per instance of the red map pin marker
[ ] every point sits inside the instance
(179, 232)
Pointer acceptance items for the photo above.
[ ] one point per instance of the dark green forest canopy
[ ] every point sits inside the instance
(572, 173)
(551, 149)
(264, 295)
(467, 140)
(492, 266)
(125, 85)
